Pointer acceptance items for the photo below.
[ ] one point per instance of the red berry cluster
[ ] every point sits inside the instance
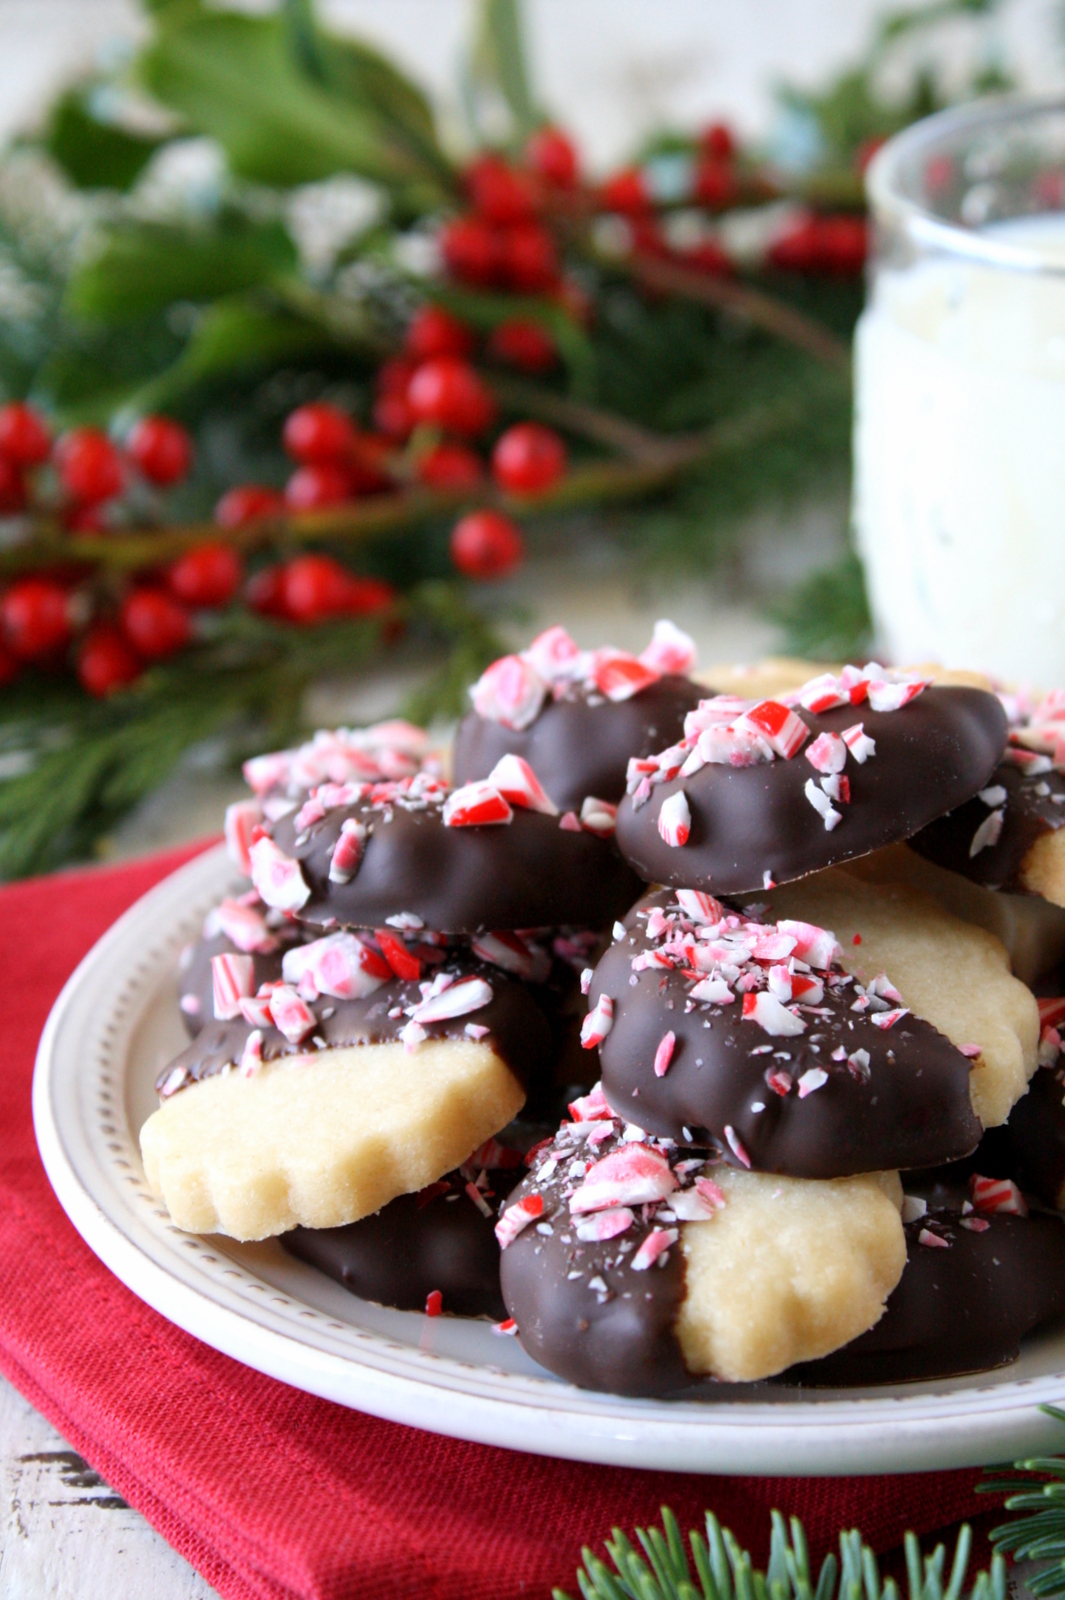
(823, 246)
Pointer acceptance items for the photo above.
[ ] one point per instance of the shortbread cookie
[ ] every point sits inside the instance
(638, 1268)
(1032, 930)
(319, 1111)
(489, 855)
(756, 794)
(577, 716)
(435, 1251)
(750, 1037)
(978, 1278)
(952, 974)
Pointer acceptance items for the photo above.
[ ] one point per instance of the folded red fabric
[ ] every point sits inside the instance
(271, 1493)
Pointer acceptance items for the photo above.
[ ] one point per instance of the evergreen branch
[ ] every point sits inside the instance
(1041, 1536)
(576, 417)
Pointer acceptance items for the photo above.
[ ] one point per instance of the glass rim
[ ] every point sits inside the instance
(886, 200)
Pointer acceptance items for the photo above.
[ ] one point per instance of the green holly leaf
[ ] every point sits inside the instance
(95, 154)
(496, 74)
(142, 267)
(238, 79)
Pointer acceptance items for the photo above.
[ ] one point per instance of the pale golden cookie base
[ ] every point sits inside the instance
(323, 1140)
(790, 1270)
(1032, 930)
(1043, 868)
(953, 974)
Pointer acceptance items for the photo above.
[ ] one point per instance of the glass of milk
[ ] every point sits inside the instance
(959, 501)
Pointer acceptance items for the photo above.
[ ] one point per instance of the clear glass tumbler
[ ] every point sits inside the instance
(959, 500)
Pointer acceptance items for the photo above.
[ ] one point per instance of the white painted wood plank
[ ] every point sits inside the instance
(64, 1535)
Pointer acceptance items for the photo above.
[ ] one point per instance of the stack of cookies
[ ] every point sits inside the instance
(646, 1035)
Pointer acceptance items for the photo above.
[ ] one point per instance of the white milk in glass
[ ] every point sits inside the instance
(960, 458)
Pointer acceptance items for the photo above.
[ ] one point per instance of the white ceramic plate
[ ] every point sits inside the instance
(116, 1023)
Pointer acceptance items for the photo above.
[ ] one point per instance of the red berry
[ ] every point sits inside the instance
(245, 503)
(314, 587)
(161, 449)
(553, 156)
(24, 437)
(106, 661)
(524, 345)
(207, 575)
(393, 416)
(472, 250)
(370, 467)
(84, 521)
(500, 193)
(12, 488)
(485, 544)
(450, 466)
(719, 141)
(647, 237)
(265, 592)
(393, 376)
(715, 183)
(625, 191)
(528, 458)
(530, 259)
(35, 618)
(833, 246)
(89, 466)
(318, 433)
(317, 485)
(450, 394)
(154, 623)
(432, 331)
(709, 257)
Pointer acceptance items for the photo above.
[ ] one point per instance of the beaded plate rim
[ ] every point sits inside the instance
(215, 1290)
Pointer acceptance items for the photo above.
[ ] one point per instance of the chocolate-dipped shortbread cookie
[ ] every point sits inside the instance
(720, 1030)
(760, 794)
(492, 854)
(981, 1273)
(329, 1094)
(234, 928)
(434, 1251)
(953, 974)
(578, 716)
(1011, 836)
(636, 1267)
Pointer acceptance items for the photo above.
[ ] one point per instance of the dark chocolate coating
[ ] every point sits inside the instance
(1028, 817)
(964, 1309)
(528, 873)
(437, 1239)
(580, 745)
(1034, 1137)
(913, 1109)
(196, 983)
(623, 1342)
(931, 755)
(518, 1030)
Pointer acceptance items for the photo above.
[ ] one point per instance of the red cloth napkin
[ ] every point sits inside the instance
(269, 1492)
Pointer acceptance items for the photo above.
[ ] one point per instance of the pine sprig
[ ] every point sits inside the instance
(1040, 1536)
(723, 1570)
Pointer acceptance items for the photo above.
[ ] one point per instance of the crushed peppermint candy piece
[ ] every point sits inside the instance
(675, 819)
(290, 1015)
(827, 754)
(913, 1208)
(510, 691)
(341, 965)
(664, 1054)
(277, 877)
(598, 1023)
(859, 743)
(637, 1174)
(251, 1057)
(591, 1107)
(598, 816)
(699, 906)
(818, 947)
(510, 953)
(619, 676)
(736, 1145)
(988, 833)
(516, 1218)
(476, 805)
(605, 1224)
(569, 822)
(459, 998)
(714, 989)
(813, 1078)
(996, 795)
(822, 805)
(932, 1240)
(766, 1010)
(347, 852)
(671, 650)
(243, 925)
(232, 977)
(782, 729)
(517, 783)
(506, 1329)
(654, 1248)
(994, 1195)
(242, 818)
(975, 1224)
(888, 1019)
